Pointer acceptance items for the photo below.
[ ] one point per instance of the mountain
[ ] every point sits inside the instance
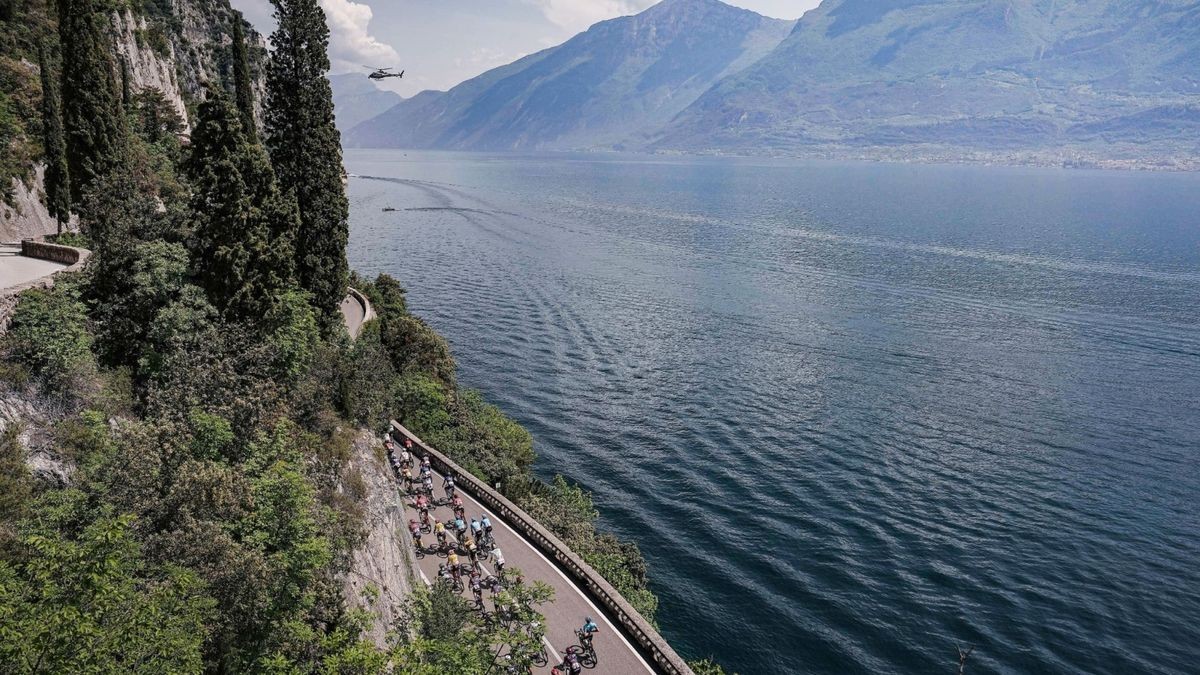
(356, 98)
(1108, 79)
(614, 84)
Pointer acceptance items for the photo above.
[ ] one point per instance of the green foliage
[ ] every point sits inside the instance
(242, 86)
(706, 667)
(212, 436)
(49, 334)
(58, 181)
(96, 134)
(369, 378)
(293, 337)
(486, 442)
(15, 482)
(422, 403)
(414, 347)
(243, 224)
(91, 604)
(152, 277)
(306, 150)
(445, 636)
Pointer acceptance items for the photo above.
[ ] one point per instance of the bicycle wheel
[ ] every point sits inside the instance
(589, 659)
(458, 586)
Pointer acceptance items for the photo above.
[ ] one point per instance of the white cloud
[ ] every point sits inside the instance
(577, 15)
(351, 44)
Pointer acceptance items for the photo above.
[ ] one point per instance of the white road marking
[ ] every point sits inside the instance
(423, 577)
(552, 650)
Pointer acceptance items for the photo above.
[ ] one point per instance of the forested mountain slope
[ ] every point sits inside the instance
(1098, 78)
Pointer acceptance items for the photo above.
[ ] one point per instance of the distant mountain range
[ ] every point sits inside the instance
(1107, 82)
(611, 85)
(357, 99)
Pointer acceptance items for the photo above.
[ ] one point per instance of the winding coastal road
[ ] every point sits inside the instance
(563, 615)
(16, 269)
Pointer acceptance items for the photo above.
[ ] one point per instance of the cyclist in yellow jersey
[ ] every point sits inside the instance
(452, 559)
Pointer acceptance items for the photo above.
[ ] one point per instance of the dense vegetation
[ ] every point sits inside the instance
(208, 397)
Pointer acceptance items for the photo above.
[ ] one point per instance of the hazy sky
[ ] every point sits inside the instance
(443, 42)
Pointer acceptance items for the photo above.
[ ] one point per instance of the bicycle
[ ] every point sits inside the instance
(587, 654)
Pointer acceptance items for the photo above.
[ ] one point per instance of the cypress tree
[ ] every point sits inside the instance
(242, 245)
(241, 80)
(58, 182)
(306, 149)
(95, 133)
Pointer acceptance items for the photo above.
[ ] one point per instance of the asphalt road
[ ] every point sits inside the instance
(16, 269)
(353, 314)
(563, 615)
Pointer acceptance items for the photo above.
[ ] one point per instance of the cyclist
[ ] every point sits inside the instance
(585, 633)
(448, 486)
(452, 561)
(487, 524)
(477, 587)
(571, 663)
(443, 572)
(499, 558)
(476, 529)
(456, 503)
(440, 530)
(460, 528)
(415, 529)
(407, 478)
(425, 463)
(427, 485)
(472, 552)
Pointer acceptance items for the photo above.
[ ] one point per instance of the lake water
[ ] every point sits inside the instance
(855, 415)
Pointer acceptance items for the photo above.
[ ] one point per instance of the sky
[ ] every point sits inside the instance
(440, 43)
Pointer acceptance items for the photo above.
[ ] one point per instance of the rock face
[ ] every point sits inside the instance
(609, 86)
(36, 416)
(383, 570)
(176, 51)
(27, 217)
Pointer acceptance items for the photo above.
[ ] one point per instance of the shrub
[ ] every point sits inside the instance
(49, 335)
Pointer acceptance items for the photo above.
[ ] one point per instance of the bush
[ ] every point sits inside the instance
(49, 335)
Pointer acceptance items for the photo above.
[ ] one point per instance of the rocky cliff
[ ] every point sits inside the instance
(383, 570)
(175, 47)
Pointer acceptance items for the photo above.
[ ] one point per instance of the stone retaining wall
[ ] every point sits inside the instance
(67, 255)
(635, 627)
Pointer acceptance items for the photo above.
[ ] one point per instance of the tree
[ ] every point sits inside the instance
(48, 333)
(306, 149)
(89, 604)
(242, 246)
(58, 183)
(96, 136)
(243, 93)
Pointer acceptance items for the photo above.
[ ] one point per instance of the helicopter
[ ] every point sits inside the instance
(382, 73)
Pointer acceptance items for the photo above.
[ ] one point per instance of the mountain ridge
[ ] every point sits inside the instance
(620, 79)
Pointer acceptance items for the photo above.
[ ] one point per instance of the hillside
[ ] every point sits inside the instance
(1102, 80)
(613, 84)
(356, 99)
(169, 47)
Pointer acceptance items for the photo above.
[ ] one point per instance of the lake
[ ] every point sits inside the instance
(855, 415)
